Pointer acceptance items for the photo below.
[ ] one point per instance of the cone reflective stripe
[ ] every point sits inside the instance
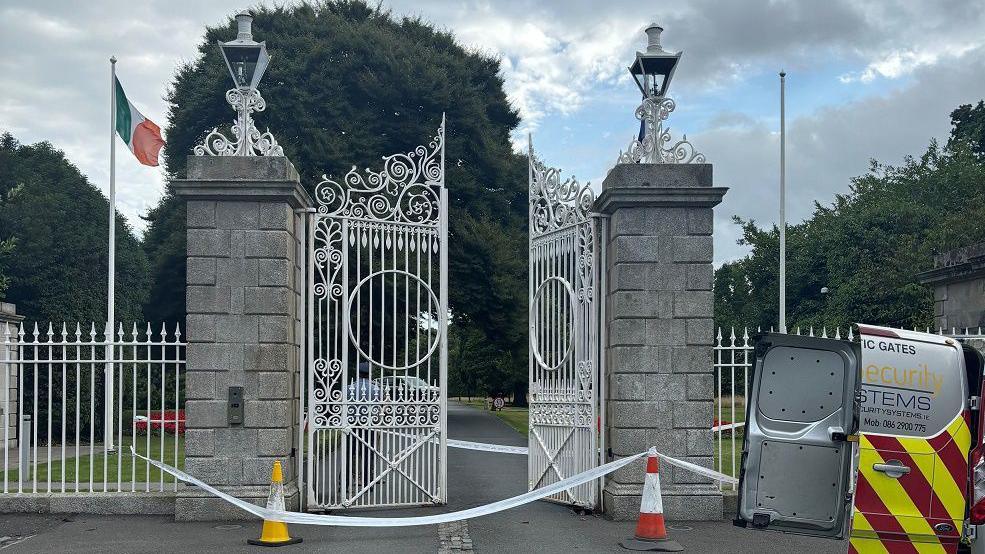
(651, 531)
(275, 533)
(650, 525)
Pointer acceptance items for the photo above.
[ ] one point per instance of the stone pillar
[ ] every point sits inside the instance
(10, 323)
(660, 378)
(244, 307)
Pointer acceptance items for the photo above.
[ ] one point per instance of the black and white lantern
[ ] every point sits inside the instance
(653, 70)
(245, 58)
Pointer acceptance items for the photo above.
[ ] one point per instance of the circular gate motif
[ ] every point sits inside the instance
(552, 313)
(432, 307)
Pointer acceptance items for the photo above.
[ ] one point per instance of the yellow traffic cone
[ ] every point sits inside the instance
(275, 533)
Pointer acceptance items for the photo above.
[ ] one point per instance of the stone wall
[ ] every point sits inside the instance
(659, 323)
(958, 279)
(244, 304)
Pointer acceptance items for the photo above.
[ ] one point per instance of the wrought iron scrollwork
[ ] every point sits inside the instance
(405, 190)
(656, 146)
(247, 139)
(554, 203)
(378, 247)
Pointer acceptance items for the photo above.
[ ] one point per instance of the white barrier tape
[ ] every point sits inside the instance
(468, 445)
(486, 447)
(357, 521)
(694, 468)
(499, 506)
(728, 426)
(700, 470)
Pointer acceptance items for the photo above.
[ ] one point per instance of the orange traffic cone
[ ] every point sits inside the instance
(651, 533)
(275, 533)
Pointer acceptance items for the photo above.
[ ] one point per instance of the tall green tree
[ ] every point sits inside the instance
(868, 245)
(968, 125)
(349, 83)
(56, 221)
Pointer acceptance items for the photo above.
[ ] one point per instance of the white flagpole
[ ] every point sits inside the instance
(783, 205)
(111, 278)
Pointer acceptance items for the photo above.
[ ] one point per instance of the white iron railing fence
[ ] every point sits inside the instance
(732, 358)
(66, 431)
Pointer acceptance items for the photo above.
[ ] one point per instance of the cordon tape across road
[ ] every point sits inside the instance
(499, 506)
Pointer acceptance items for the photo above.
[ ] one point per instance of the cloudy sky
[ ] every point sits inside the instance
(873, 79)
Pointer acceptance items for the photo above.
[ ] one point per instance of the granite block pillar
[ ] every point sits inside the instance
(659, 304)
(10, 323)
(244, 307)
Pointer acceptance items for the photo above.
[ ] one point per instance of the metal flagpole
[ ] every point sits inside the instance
(111, 277)
(783, 206)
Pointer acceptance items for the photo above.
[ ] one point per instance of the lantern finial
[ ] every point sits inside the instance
(244, 22)
(653, 39)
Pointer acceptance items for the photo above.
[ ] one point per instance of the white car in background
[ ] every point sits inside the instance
(408, 383)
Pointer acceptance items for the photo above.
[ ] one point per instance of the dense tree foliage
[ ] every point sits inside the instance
(968, 125)
(869, 244)
(347, 84)
(56, 221)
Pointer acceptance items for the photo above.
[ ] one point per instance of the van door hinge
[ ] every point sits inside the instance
(975, 402)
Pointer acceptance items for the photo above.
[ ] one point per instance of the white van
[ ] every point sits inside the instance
(877, 441)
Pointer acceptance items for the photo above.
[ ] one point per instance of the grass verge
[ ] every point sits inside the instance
(517, 418)
(106, 469)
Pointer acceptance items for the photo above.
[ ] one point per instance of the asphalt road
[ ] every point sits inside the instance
(475, 478)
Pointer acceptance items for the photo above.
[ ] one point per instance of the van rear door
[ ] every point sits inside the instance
(797, 469)
(914, 442)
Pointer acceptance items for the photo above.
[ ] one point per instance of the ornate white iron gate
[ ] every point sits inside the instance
(564, 345)
(377, 320)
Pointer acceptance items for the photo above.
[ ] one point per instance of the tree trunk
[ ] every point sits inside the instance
(520, 394)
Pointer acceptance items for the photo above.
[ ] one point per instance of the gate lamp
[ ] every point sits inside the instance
(653, 71)
(246, 60)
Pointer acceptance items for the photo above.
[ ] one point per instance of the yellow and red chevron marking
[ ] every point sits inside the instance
(898, 515)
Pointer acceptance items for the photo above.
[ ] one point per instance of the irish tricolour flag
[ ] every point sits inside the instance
(142, 135)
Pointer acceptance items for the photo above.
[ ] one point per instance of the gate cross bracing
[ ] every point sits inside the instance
(564, 334)
(378, 306)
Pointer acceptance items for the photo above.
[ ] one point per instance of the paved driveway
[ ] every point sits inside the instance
(475, 478)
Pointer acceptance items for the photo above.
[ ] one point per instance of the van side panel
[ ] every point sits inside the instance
(912, 480)
(926, 506)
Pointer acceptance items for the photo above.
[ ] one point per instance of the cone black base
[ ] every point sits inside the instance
(260, 542)
(664, 545)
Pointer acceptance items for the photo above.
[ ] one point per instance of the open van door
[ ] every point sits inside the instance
(797, 462)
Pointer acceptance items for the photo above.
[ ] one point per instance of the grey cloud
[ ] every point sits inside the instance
(55, 76)
(827, 148)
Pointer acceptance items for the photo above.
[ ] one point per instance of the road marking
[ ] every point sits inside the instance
(454, 537)
(6, 541)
